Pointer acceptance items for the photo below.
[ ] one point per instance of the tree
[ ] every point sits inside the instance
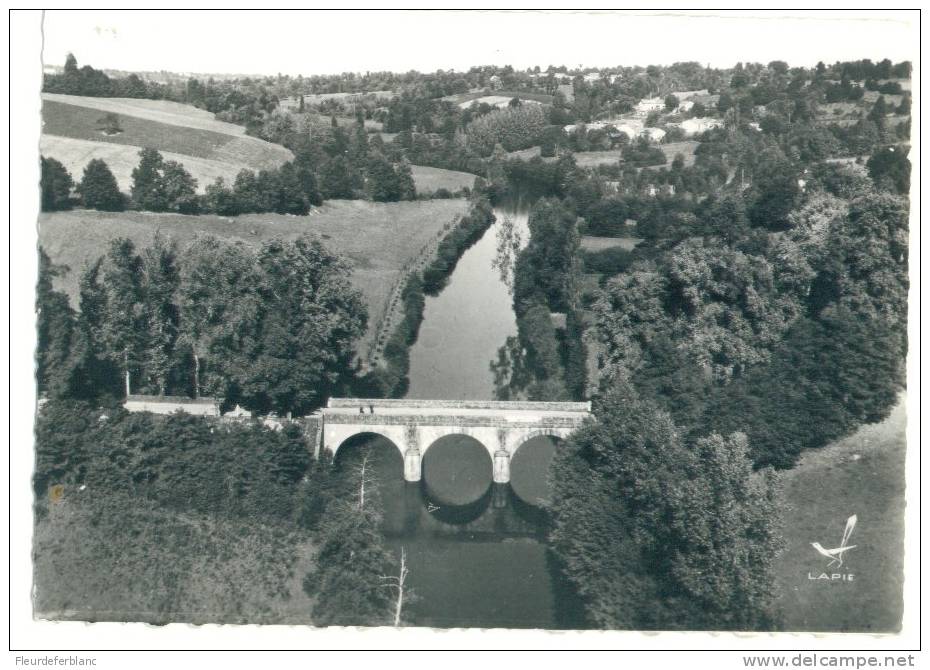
(671, 102)
(549, 264)
(636, 511)
(71, 66)
(381, 184)
(336, 179)
(219, 199)
(725, 533)
(346, 585)
(56, 184)
(98, 188)
(159, 289)
(148, 191)
(55, 325)
(247, 193)
(217, 308)
(890, 169)
(307, 319)
(179, 188)
(123, 327)
(406, 186)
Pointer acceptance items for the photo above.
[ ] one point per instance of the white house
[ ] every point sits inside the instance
(699, 125)
(647, 105)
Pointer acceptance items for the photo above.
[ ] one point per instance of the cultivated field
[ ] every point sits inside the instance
(378, 239)
(163, 111)
(207, 148)
(863, 475)
(430, 179)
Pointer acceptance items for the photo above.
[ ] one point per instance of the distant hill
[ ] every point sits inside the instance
(72, 133)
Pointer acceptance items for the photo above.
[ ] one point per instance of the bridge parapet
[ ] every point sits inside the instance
(452, 420)
(491, 405)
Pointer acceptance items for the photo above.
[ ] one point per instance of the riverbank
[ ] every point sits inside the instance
(388, 360)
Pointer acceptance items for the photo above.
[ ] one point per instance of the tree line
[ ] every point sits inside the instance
(160, 185)
(272, 329)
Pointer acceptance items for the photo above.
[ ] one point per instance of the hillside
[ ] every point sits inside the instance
(378, 239)
(206, 147)
(862, 475)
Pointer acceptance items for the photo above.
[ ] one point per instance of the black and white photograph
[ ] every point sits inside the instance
(530, 321)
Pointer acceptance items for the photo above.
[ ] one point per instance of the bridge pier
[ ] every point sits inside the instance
(501, 466)
(412, 465)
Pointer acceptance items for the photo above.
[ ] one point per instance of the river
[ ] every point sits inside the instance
(474, 549)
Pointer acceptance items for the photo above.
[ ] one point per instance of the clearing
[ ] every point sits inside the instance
(378, 239)
(862, 474)
(430, 179)
(592, 243)
(207, 148)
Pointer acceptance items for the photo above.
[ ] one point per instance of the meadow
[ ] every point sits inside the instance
(430, 179)
(207, 148)
(592, 243)
(378, 239)
(862, 474)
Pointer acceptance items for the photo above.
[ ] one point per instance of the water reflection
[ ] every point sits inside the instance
(480, 564)
(456, 470)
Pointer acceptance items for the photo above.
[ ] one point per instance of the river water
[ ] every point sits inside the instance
(474, 549)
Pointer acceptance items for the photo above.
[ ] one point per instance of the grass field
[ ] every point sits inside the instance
(429, 179)
(464, 100)
(378, 239)
(589, 159)
(207, 148)
(863, 475)
(592, 243)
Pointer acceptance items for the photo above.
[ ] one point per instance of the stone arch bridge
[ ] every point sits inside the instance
(414, 425)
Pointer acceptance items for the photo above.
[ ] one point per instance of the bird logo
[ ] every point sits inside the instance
(836, 555)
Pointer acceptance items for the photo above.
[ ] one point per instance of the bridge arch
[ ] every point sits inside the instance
(529, 466)
(457, 469)
(427, 437)
(337, 436)
(363, 433)
(523, 438)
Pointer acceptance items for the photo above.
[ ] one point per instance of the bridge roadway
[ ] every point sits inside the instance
(502, 427)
